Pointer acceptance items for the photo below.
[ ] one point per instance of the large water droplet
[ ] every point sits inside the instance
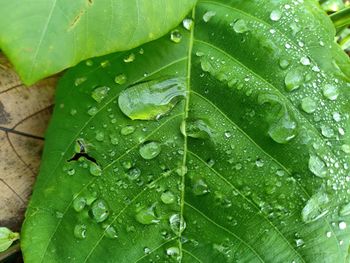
(95, 169)
(147, 216)
(177, 224)
(345, 210)
(240, 26)
(284, 130)
(99, 210)
(275, 15)
(152, 99)
(167, 197)
(110, 232)
(330, 92)
(134, 173)
(294, 79)
(79, 204)
(317, 166)
(173, 251)
(150, 150)
(315, 208)
(187, 23)
(120, 79)
(100, 93)
(208, 15)
(198, 129)
(80, 231)
(308, 105)
(199, 187)
(175, 36)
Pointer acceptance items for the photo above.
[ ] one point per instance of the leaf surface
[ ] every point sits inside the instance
(229, 146)
(44, 37)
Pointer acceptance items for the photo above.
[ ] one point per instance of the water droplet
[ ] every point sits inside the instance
(284, 130)
(315, 208)
(327, 131)
(199, 187)
(79, 81)
(308, 105)
(89, 63)
(284, 63)
(127, 130)
(299, 242)
(120, 79)
(177, 224)
(175, 36)
(328, 234)
(294, 79)
(305, 61)
(208, 15)
(99, 210)
(100, 136)
(187, 23)
(80, 231)
(259, 163)
(79, 204)
(73, 112)
(345, 210)
(129, 58)
(317, 166)
(275, 15)
(345, 148)
(198, 129)
(92, 111)
(95, 169)
(330, 92)
(100, 93)
(150, 150)
(167, 197)
(152, 99)
(342, 225)
(105, 63)
(71, 171)
(134, 173)
(173, 251)
(111, 232)
(240, 26)
(336, 116)
(147, 216)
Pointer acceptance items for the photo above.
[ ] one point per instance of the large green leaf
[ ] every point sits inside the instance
(229, 146)
(43, 37)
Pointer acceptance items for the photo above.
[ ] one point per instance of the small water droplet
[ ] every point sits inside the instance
(337, 116)
(299, 242)
(80, 231)
(308, 105)
(79, 204)
(330, 92)
(134, 173)
(100, 93)
(130, 58)
(95, 169)
(284, 63)
(187, 23)
(100, 136)
(111, 233)
(92, 111)
(147, 216)
(317, 166)
(150, 150)
(120, 79)
(198, 129)
(275, 15)
(99, 210)
(327, 131)
(240, 26)
(342, 225)
(294, 79)
(259, 163)
(305, 61)
(127, 130)
(175, 36)
(199, 187)
(208, 15)
(79, 81)
(173, 251)
(284, 130)
(167, 197)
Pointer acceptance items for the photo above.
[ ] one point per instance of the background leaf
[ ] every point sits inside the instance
(251, 166)
(44, 37)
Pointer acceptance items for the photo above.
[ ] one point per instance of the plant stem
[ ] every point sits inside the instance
(9, 252)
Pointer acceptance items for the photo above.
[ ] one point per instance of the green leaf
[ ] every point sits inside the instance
(341, 18)
(46, 36)
(7, 237)
(200, 150)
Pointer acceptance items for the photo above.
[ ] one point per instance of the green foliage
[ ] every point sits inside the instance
(44, 37)
(7, 237)
(228, 142)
